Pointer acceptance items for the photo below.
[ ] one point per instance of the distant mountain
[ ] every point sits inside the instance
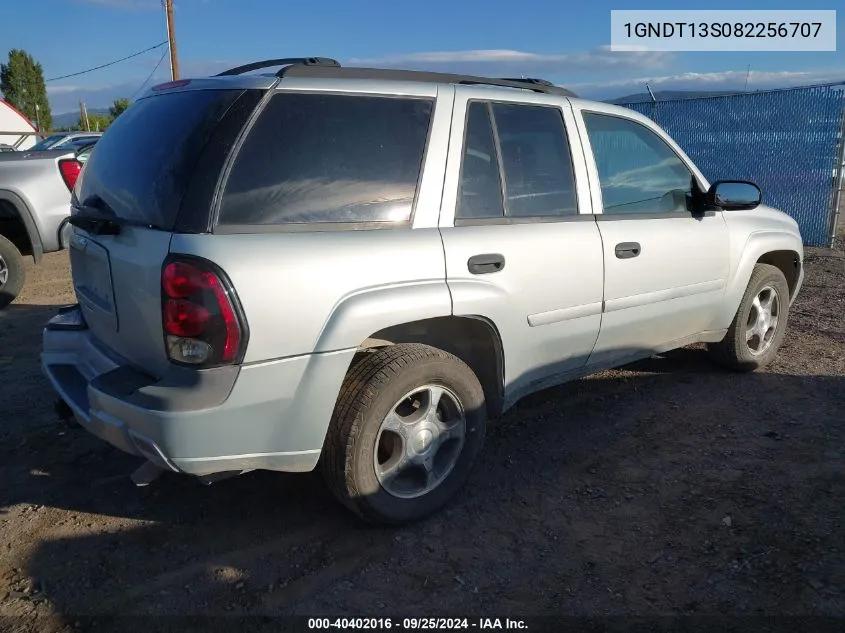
(661, 95)
(71, 118)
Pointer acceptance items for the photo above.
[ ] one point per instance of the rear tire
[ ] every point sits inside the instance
(407, 427)
(759, 326)
(12, 272)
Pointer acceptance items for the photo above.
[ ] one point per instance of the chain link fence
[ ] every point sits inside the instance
(790, 142)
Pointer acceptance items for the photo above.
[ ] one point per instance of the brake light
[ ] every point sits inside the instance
(70, 169)
(179, 83)
(201, 321)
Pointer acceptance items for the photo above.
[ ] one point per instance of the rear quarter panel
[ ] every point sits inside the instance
(321, 292)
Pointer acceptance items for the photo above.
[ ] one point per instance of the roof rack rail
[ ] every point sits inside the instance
(530, 80)
(332, 71)
(285, 61)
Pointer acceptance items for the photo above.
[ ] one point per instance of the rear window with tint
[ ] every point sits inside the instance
(320, 158)
(146, 158)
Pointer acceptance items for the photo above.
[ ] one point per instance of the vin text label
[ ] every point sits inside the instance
(723, 30)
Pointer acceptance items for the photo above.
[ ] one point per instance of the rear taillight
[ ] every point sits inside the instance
(70, 169)
(202, 322)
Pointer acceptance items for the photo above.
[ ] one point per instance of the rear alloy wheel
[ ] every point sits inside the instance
(12, 272)
(419, 442)
(759, 326)
(409, 422)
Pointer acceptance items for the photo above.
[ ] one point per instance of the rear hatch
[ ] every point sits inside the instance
(153, 172)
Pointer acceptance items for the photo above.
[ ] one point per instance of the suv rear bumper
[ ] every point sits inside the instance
(271, 415)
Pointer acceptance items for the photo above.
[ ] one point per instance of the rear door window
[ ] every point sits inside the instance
(327, 158)
(537, 161)
(145, 160)
(527, 147)
(481, 185)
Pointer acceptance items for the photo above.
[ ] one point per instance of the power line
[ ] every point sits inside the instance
(150, 76)
(117, 61)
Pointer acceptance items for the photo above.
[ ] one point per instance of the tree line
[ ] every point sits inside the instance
(22, 86)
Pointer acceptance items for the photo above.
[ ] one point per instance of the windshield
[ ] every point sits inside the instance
(83, 154)
(46, 143)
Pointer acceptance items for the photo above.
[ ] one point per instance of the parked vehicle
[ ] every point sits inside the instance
(34, 209)
(65, 140)
(354, 269)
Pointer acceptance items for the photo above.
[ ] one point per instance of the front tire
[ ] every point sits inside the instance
(759, 326)
(12, 272)
(407, 427)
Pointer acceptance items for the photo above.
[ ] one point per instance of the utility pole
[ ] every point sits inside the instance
(83, 117)
(171, 40)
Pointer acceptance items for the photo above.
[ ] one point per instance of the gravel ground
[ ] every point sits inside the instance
(667, 487)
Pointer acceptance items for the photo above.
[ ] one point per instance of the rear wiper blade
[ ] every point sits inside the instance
(95, 220)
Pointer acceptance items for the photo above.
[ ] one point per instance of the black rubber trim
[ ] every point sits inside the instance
(121, 382)
(308, 227)
(581, 217)
(610, 217)
(69, 308)
(62, 225)
(74, 385)
(180, 389)
(29, 224)
(187, 389)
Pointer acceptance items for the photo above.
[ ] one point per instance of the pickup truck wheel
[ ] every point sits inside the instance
(407, 427)
(12, 272)
(759, 326)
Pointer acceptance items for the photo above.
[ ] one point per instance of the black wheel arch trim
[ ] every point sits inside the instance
(28, 221)
(63, 243)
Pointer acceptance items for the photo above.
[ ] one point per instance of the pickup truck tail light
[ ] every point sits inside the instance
(203, 323)
(70, 168)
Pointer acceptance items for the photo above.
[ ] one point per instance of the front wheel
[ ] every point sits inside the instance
(407, 427)
(12, 272)
(759, 326)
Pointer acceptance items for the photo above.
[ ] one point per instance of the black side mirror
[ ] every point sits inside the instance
(734, 195)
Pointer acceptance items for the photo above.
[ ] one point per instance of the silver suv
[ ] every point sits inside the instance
(354, 269)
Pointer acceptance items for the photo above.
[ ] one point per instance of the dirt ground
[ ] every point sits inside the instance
(668, 487)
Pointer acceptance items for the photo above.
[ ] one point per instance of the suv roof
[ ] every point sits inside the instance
(327, 68)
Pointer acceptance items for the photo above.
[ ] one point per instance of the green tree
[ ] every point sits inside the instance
(96, 122)
(22, 85)
(118, 107)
